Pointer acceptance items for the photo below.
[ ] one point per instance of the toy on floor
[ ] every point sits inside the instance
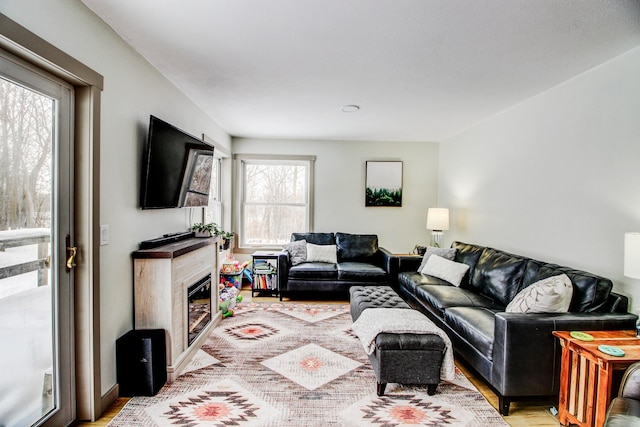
(229, 295)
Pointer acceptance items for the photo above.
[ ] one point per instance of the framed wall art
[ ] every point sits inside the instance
(383, 185)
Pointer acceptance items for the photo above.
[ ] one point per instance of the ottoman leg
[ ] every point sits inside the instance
(431, 389)
(381, 387)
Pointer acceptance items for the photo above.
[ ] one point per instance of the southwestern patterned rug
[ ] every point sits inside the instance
(297, 365)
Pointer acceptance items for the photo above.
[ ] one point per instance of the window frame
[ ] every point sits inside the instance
(241, 159)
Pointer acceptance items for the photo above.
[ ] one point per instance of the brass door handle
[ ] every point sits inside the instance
(71, 260)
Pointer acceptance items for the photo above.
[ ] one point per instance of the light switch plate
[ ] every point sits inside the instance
(104, 234)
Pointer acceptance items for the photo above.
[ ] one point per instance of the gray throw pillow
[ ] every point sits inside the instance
(446, 253)
(297, 251)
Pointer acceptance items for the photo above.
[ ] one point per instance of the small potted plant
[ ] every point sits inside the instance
(227, 238)
(205, 230)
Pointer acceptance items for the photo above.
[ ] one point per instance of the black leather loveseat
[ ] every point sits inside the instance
(514, 352)
(358, 260)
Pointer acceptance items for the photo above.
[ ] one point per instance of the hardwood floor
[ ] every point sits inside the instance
(522, 414)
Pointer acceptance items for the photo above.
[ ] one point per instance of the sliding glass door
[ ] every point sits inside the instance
(36, 247)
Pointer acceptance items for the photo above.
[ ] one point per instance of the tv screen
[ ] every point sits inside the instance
(176, 168)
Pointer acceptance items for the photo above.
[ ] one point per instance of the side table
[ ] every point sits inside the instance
(587, 374)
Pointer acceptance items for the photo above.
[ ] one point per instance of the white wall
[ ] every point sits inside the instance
(340, 180)
(556, 177)
(133, 90)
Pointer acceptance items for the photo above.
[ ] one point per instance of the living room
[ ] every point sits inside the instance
(552, 176)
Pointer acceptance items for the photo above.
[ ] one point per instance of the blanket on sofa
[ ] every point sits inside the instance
(374, 321)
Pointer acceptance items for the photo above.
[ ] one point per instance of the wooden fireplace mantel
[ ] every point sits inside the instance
(161, 278)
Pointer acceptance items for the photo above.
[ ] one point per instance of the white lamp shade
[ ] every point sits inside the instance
(632, 255)
(438, 219)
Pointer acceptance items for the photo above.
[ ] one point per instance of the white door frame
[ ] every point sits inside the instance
(88, 85)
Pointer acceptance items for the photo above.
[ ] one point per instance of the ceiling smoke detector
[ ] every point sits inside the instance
(350, 108)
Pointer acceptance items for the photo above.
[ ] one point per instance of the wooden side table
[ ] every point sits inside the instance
(587, 374)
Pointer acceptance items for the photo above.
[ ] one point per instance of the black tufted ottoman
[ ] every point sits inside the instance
(399, 358)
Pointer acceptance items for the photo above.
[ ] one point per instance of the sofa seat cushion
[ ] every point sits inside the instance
(439, 298)
(314, 270)
(361, 271)
(410, 280)
(474, 324)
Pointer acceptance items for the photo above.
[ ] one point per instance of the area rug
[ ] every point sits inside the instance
(297, 365)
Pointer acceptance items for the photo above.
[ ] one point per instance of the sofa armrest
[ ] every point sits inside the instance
(526, 356)
(408, 262)
(388, 261)
(630, 386)
(283, 269)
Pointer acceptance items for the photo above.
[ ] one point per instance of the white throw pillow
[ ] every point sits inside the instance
(446, 253)
(550, 295)
(444, 269)
(322, 253)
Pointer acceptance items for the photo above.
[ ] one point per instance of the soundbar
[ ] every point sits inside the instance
(165, 239)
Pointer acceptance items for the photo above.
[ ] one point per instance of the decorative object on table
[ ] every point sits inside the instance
(419, 250)
(582, 336)
(611, 350)
(437, 222)
(292, 365)
(383, 183)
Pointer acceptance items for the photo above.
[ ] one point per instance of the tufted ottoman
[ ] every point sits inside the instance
(402, 358)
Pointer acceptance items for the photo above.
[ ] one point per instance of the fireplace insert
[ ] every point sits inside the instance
(199, 303)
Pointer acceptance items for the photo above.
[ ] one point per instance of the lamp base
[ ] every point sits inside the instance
(436, 236)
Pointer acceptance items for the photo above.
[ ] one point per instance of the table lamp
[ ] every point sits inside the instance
(437, 221)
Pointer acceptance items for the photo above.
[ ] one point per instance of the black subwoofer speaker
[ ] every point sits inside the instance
(141, 362)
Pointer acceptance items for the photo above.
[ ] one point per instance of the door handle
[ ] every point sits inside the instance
(71, 257)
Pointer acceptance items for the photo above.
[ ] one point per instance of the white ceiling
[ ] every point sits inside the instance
(421, 70)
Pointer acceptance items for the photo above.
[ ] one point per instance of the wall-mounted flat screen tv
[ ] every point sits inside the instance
(176, 168)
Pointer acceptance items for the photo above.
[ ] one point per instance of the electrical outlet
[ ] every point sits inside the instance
(104, 234)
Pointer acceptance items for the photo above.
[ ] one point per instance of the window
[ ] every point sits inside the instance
(275, 200)
(213, 213)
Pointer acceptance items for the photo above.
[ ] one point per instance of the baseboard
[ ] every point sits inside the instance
(109, 397)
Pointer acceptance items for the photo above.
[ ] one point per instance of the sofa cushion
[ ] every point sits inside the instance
(442, 268)
(412, 279)
(321, 253)
(475, 325)
(446, 253)
(550, 295)
(468, 254)
(590, 292)
(297, 251)
(498, 275)
(356, 247)
(315, 238)
(361, 271)
(439, 298)
(314, 270)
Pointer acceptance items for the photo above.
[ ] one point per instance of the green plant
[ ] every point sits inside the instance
(210, 227)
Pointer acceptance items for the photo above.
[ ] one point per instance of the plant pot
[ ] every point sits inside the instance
(202, 233)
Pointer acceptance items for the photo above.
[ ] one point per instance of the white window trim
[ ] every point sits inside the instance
(239, 211)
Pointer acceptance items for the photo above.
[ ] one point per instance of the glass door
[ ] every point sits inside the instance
(36, 363)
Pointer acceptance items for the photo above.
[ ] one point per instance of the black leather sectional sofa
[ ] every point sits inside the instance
(359, 261)
(514, 352)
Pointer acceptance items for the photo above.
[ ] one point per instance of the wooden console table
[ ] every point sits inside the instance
(587, 374)
(161, 278)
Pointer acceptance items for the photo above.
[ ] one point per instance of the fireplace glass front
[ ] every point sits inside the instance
(199, 303)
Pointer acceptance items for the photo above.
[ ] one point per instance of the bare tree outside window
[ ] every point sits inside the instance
(26, 119)
(276, 201)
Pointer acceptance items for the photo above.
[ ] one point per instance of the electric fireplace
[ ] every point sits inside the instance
(199, 304)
